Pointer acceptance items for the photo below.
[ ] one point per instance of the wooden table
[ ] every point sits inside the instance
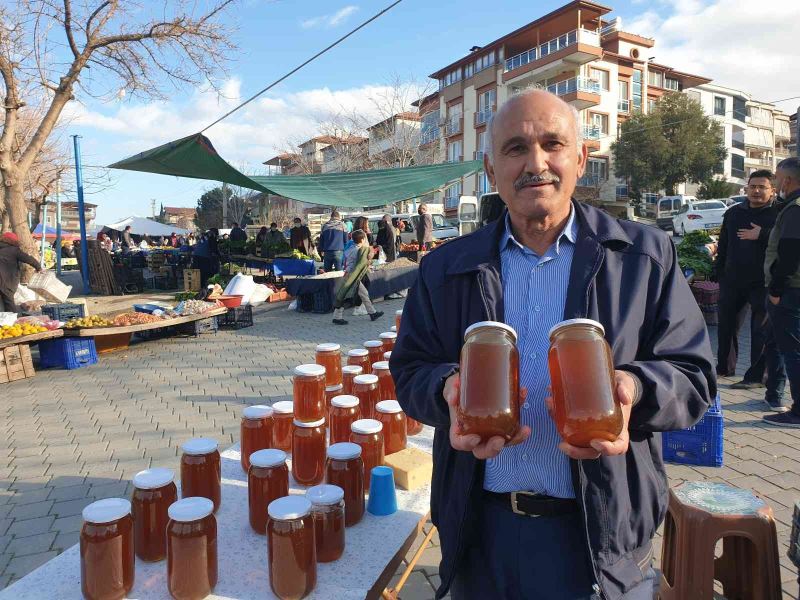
(33, 338)
(101, 331)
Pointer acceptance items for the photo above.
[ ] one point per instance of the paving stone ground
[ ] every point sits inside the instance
(72, 437)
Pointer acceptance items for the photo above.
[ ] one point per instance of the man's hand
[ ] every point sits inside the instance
(472, 443)
(775, 300)
(749, 234)
(624, 388)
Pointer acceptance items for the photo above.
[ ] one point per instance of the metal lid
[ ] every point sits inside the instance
(344, 451)
(388, 335)
(284, 407)
(388, 407)
(569, 322)
(353, 369)
(398, 312)
(199, 446)
(325, 494)
(393, 328)
(309, 424)
(151, 479)
(257, 411)
(190, 509)
(328, 347)
(107, 510)
(380, 365)
(495, 324)
(373, 344)
(344, 401)
(366, 426)
(357, 352)
(270, 457)
(387, 355)
(334, 388)
(309, 370)
(368, 379)
(289, 507)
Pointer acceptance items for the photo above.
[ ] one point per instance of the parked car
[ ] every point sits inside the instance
(735, 200)
(699, 215)
(667, 207)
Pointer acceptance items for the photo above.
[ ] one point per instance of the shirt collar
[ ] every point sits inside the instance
(570, 232)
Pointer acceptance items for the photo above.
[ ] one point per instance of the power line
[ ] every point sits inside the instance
(296, 69)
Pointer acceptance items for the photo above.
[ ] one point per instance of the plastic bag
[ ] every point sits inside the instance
(25, 294)
(241, 285)
(7, 319)
(293, 305)
(260, 294)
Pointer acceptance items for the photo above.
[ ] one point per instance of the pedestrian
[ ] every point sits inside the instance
(356, 267)
(424, 228)
(173, 240)
(205, 256)
(300, 237)
(362, 223)
(11, 256)
(127, 241)
(551, 258)
(238, 237)
(332, 241)
(782, 273)
(387, 238)
(739, 269)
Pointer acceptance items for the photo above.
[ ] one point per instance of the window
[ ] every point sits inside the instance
(622, 90)
(481, 143)
(486, 106)
(651, 105)
(637, 90)
(451, 78)
(469, 70)
(451, 196)
(455, 151)
(694, 95)
(622, 190)
(597, 168)
(737, 165)
(719, 106)
(672, 84)
(429, 131)
(655, 78)
(483, 183)
(739, 109)
(484, 62)
(600, 121)
(601, 76)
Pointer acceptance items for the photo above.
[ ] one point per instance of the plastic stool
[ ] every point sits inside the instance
(699, 515)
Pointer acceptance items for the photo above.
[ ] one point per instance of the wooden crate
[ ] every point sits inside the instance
(16, 363)
(191, 280)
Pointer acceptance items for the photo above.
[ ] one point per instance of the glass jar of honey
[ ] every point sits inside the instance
(107, 559)
(154, 491)
(283, 417)
(388, 339)
(309, 392)
(368, 433)
(398, 315)
(267, 480)
(489, 403)
(349, 373)
(330, 357)
(308, 452)
(201, 472)
(582, 375)
(327, 511)
(375, 352)
(393, 419)
(330, 393)
(365, 387)
(345, 468)
(387, 356)
(385, 381)
(191, 549)
(291, 550)
(344, 412)
(359, 357)
(255, 431)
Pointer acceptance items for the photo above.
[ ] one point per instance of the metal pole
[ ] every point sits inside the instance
(44, 234)
(58, 225)
(81, 215)
(797, 132)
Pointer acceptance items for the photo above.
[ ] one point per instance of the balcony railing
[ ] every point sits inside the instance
(454, 125)
(429, 135)
(483, 116)
(576, 84)
(624, 106)
(589, 180)
(583, 36)
(591, 132)
(764, 162)
(737, 144)
(477, 155)
(456, 159)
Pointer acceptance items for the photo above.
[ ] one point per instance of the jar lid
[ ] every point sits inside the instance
(366, 426)
(328, 347)
(325, 494)
(380, 365)
(309, 370)
(289, 507)
(495, 324)
(344, 401)
(310, 424)
(353, 369)
(368, 379)
(387, 355)
(284, 407)
(398, 312)
(270, 457)
(190, 509)
(257, 411)
(344, 451)
(334, 388)
(388, 335)
(373, 344)
(107, 510)
(151, 479)
(357, 352)
(393, 328)
(198, 446)
(569, 322)
(388, 407)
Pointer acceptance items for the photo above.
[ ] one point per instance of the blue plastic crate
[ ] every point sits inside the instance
(67, 353)
(701, 445)
(63, 312)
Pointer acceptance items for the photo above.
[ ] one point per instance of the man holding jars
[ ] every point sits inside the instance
(535, 517)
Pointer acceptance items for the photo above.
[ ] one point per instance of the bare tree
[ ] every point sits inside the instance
(53, 50)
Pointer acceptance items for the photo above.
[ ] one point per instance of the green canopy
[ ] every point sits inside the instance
(195, 156)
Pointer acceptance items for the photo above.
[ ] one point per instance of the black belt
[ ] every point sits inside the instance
(533, 505)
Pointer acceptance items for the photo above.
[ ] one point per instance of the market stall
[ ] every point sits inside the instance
(31, 339)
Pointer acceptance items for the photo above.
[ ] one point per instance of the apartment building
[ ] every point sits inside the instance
(395, 141)
(286, 163)
(183, 218)
(70, 221)
(343, 155)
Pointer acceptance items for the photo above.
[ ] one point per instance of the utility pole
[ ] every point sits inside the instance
(224, 205)
(44, 234)
(58, 225)
(797, 132)
(153, 208)
(81, 215)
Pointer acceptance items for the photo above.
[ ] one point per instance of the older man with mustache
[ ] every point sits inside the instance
(536, 517)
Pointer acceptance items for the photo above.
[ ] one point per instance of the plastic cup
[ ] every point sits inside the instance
(382, 496)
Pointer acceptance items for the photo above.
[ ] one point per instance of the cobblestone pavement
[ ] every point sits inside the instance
(72, 437)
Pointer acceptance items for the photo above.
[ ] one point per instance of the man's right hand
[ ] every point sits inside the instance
(472, 442)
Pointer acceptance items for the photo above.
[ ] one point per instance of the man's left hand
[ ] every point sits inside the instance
(624, 388)
(749, 234)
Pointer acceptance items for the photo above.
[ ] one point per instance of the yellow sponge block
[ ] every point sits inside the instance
(412, 468)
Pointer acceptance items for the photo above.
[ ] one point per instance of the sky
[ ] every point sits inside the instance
(742, 44)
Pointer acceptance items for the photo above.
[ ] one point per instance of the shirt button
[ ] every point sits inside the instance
(533, 355)
(526, 405)
(537, 308)
(524, 457)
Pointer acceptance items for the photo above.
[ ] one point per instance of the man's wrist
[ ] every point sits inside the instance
(638, 388)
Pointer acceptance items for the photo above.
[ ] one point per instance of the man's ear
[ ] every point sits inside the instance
(488, 169)
(583, 154)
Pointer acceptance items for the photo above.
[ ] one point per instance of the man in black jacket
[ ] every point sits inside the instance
(740, 272)
(549, 258)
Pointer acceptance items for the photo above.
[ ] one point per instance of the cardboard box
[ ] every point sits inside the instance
(191, 280)
(27, 360)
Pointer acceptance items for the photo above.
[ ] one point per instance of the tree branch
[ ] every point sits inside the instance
(68, 28)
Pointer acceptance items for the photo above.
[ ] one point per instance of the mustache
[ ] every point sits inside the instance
(529, 178)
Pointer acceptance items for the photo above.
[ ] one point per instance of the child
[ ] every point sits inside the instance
(356, 267)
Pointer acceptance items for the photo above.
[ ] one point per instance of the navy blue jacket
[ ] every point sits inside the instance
(626, 276)
(333, 237)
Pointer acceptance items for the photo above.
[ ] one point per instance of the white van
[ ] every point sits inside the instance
(667, 207)
(474, 213)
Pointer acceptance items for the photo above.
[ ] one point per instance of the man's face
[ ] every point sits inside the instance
(759, 191)
(536, 162)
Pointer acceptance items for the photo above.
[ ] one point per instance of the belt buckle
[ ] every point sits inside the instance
(514, 508)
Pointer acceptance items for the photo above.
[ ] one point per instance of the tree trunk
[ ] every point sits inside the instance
(17, 214)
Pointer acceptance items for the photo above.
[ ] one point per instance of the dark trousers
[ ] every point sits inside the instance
(208, 267)
(785, 321)
(7, 302)
(516, 557)
(733, 302)
(332, 261)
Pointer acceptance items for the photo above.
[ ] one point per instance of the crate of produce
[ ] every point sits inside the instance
(279, 296)
(238, 318)
(47, 285)
(64, 312)
(16, 363)
(710, 313)
(156, 260)
(705, 292)
(155, 334)
(700, 445)
(67, 353)
(319, 302)
(195, 328)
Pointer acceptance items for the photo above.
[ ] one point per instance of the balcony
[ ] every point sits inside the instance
(758, 161)
(454, 125)
(456, 159)
(429, 136)
(624, 106)
(582, 92)
(589, 180)
(482, 116)
(477, 155)
(591, 132)
(739, 145)
(577, 47)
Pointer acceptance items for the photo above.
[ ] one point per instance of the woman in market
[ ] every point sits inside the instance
(10, 258)
(387, 238)
(356, 266)
(205, 256)
(261, 240)
(362, 223)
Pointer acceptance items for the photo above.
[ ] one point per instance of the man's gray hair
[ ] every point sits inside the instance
(791, 166)
(527, 91)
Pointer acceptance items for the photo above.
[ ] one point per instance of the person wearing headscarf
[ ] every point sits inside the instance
(387, 238)
(11, 256)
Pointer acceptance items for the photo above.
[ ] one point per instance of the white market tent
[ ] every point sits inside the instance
(143, 226)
